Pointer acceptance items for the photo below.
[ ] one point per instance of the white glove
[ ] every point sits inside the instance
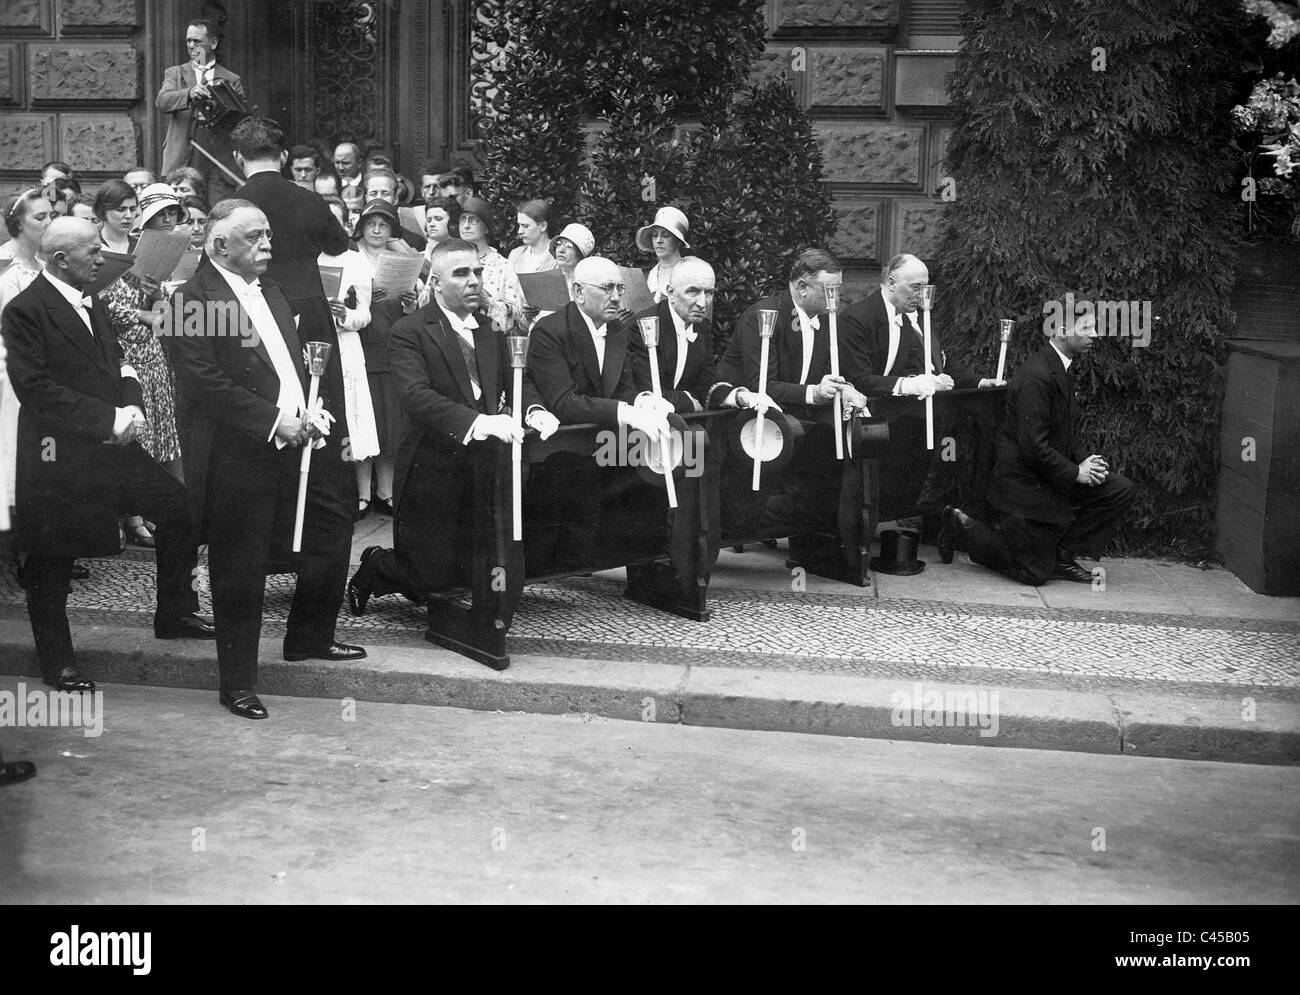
(654, 402)
(652, 423)
(756, 400)
(501, 427)
(921, 385)
(543, 422)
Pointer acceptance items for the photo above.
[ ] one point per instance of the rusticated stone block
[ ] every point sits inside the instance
(25, 14)
(917, 230)
(26, 141)
(99, 143)
(84, 72)
(836, 13)
(871, 153)
(847, 77)
(99, 13)
(858, 283)
(8, 74)
(856, 231)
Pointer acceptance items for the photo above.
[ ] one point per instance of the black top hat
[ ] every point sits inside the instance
(898, 554)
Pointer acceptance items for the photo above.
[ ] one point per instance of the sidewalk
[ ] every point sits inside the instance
(1167, 660)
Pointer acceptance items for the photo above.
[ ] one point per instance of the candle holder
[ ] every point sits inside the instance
(518, 351)
(650, 330)
(832, 291)
(317, 355)
(1005, 334)
(766, 322)
(927, 296)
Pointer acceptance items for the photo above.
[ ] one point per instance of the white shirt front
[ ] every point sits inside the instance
(808, 328)
(204, 74)
(597, 339)
(1064, 358)
(290, 401)
(464, 327)
(76, 298)
(683, 344)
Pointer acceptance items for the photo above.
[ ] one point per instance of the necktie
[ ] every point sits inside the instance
(467, 350)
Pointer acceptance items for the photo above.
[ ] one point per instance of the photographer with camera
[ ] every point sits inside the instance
(198, 96)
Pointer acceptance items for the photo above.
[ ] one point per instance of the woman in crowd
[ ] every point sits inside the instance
(441, 221)
(197, 209)
(186, 181)
(136, 321)
(665, 237)
(375, 229)
(504, 297)
(351, 311)
(570, 247)
(116, 209)
(533, 256)
(26, 218)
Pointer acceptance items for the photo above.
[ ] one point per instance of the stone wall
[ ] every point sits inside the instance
(879, 108)
(72, 87)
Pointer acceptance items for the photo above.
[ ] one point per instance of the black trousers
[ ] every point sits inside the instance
(1025, 550)
(250, 516)
(144, 488)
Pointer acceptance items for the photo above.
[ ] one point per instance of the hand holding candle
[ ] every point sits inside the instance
(518, 358)
(832, 291)
(927, 302)
(318, 354)
(1003, 337)
(649, 328)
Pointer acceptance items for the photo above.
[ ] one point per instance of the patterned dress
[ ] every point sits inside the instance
(142, 350)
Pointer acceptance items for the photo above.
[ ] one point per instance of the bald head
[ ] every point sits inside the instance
(691, 286)
(901, 281)
(591, 276)
(71, 250)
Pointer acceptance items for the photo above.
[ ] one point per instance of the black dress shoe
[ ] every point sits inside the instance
(1068, 569)
(382, 506)
(18, 770)
(334, 652)
(79, 572)
(70, 679)
(359, 591)
(244, 703)
(185, 627)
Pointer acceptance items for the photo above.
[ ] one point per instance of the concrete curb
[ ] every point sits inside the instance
(924, 711)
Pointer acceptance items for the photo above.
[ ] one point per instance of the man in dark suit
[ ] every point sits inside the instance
(181, 85)
(79, 466)
(242, 387)
(453, 371)
(688, 374)
(1055, 500)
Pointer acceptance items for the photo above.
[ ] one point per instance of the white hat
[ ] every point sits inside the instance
(670, 219)
(154, 198)
(580, 236)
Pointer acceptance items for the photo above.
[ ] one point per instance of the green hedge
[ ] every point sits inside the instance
(666, 84)
(1113, 185)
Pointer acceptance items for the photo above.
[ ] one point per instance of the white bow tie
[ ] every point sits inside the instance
(898, 320)
(599, 332)
(689, 333)
(86, 302)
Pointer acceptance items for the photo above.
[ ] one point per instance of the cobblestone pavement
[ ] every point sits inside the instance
(843, 634)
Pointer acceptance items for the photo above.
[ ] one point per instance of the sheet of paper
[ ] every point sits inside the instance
(110, 270)
(188, 265)
(158, 252)
(545, 291)
(331, 278)
(638, 296)
(412, 219)
(397, 273)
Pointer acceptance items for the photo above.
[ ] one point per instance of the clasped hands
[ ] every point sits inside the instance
(128, 424)
(1093, 471)
(834, 384)
(503, 426)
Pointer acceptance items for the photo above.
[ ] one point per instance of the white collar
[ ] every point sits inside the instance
(679, 324)
(75, 297)
(806, 320)
(1064, 358)
(892, 313)
(240, 286)
(203, 69)
(458, 324)
(596, 332)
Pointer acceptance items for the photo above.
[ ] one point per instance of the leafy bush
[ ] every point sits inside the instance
(1115, 184)
(667, 83)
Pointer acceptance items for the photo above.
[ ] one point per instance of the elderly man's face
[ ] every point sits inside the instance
(79, 263)
(457, 278)
(247, 245)
(138, 179)
(381, 188)
(691, 292)
(346, 161)
(903, 286)
(199, 46)
(600, 294)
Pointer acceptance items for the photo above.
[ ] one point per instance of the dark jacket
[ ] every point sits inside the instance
(302, 227)
(865, 347)
(70, 384)
(568, 378)
(699, 375)
(1038, 454)
(740, 363)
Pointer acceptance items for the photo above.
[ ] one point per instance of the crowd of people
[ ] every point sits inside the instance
(114, 431)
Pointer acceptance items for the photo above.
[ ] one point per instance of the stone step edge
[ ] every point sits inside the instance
(1225, 729)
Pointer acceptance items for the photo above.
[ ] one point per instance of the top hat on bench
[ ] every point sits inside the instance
(898, 553)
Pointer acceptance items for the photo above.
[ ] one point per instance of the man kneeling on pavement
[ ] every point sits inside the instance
(1055, 501)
